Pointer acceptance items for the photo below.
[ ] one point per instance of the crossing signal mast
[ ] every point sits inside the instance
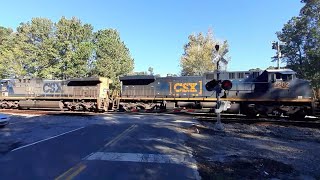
(277, 45)
(218, 85)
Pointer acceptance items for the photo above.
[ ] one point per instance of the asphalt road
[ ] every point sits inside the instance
(111, 146)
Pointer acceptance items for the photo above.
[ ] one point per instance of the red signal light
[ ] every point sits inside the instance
(226, 85)
(211, 85)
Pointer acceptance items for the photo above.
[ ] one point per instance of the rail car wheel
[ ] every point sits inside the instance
(250, 111)
(5, 105)
(298, 115)
(137, 107)
(251, 114)
(140, 107)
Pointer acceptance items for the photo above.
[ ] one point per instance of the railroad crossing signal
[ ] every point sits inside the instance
(217, 47)
(226, 85)
(215, 85)
(278, 46)
(212, 85)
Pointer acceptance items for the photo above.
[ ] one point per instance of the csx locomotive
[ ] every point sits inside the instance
(270, 92)
(85, 94)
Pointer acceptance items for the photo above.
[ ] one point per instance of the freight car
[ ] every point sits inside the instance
(270, 92)
(84, 94)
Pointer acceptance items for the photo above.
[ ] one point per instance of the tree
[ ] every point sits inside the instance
(301, 36)
(13, 59)
(139, 73)
(112, 57)
(150, 70)
(5, 36)
(75, 47)
(256, 69)
(271, 67)
(199, 54)
(66, 49)
(36, 42)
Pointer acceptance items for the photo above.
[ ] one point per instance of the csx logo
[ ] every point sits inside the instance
(185, 87)
(51, 87)
(195, 88)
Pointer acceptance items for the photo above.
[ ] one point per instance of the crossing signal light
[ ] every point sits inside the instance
(226, 85)
(217, 47)
(211, 85)
(214, 85)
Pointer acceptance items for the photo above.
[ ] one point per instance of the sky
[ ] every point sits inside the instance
(155, 31)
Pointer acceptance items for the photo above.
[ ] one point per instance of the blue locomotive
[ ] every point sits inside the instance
(269, 92)
(82, 94)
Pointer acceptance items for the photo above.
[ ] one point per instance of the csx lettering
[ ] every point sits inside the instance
(281, 85)
(185, 87)
(51, 88)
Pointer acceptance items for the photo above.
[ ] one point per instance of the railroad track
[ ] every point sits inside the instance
(226, 118)
(46, 112)
(306, 122)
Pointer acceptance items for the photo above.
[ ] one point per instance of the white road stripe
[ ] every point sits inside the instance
(46, 139)
(143, 158)
(147, 158)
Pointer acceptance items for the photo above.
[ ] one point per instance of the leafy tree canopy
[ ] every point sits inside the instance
(200, 55)
(301, 36)
(65, 49)
(112, 57)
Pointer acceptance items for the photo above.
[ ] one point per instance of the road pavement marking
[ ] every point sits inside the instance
(72, 172)
(139, 157)
(186, 160)
(78, 168)
(46, 139)
(117, 138)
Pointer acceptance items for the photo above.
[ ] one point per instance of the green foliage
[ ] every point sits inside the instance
(5, 39)
(301, 35)
(62, 50)
(112, 56)
(199, 54)
(140, 73)
(150, 70)
(256, 69)
(35, 44)
(75, 47)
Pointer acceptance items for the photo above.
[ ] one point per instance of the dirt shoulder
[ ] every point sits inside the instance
(256, 151)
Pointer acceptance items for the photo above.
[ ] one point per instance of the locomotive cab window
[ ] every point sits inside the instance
(283, 77)
(287, 77)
